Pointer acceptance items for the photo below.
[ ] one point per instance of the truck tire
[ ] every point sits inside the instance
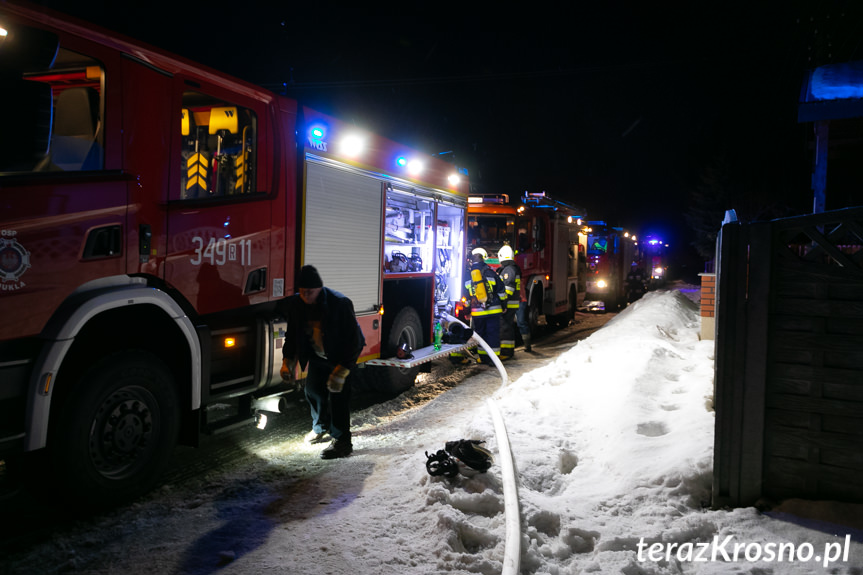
(115, 433)
(533, 313)
(406, 328)
(562, 320)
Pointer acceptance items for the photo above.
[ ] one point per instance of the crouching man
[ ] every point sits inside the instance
(324, 335)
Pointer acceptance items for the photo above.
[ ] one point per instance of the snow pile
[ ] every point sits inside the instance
(613, 446)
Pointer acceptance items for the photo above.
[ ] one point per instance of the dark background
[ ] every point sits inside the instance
(639, 111)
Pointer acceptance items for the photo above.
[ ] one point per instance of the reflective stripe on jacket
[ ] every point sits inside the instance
(496, 292)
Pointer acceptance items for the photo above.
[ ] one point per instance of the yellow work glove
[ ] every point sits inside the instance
(288, 369)
(336, 382)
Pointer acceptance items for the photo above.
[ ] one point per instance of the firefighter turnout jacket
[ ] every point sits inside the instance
(486, 290)
(510, 275)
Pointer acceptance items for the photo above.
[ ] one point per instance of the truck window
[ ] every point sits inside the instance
(539, 234)
(57, 113)
(409, 239)
(218, 151)
(490, 231)
(523, 235)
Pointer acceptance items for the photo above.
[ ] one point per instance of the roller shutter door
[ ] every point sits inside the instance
(342, 231)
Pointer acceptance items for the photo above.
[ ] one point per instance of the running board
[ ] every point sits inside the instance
(229, 424)
(422, 355)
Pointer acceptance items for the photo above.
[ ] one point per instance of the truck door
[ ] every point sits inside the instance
(63, 194)
(220, 205)
(560, 254)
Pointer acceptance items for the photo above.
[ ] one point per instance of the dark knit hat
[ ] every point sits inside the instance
(309, 278)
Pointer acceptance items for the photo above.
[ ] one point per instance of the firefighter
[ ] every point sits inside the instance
(486, 294)
(634, 283)
(510, 275)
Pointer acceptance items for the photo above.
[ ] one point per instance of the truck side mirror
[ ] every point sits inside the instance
(28, 123)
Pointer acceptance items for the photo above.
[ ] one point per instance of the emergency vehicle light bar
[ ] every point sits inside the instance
(489, 199)
(543, 200)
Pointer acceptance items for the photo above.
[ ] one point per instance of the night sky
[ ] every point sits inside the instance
(620, 107)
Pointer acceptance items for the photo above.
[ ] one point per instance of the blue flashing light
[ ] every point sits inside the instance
(318, 137)
(837, 81)
(402, 161)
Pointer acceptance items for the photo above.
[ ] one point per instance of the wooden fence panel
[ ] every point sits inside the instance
(789, 367)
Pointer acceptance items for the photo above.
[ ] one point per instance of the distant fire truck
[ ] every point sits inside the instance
(154, 212)
(653, 251)
(550, 243)
(610, 254)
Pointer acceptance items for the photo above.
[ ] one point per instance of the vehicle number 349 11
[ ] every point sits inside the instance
(218, 251)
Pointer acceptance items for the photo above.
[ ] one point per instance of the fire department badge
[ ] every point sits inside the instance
(14, 260)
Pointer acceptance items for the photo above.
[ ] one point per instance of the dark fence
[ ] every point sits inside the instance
(789, 360)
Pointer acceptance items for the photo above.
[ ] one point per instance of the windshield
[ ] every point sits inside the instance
(490, 232)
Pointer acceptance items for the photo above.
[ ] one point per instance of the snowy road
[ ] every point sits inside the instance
(229, 473)
(612, 439)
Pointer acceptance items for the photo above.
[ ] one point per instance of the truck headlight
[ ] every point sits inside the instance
(601, 284)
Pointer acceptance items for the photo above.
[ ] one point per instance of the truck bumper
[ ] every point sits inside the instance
(594, 305)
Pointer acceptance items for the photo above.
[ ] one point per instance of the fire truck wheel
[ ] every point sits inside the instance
(406, 328)
(117, 429)
(562, 320)
(533, 314)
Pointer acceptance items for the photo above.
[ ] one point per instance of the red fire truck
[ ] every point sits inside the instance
(610, 253)
(153, 212)
(549, 241)
(654, 251)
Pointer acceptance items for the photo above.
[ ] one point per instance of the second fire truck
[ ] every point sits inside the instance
(549, 239)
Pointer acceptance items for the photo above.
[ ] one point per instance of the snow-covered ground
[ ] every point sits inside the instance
(612, 441)
(613, 444)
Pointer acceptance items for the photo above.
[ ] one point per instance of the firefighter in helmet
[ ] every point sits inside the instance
(510, 275)
(486, 294)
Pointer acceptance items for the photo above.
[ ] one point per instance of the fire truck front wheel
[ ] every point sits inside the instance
(116, 430)
(406, 328)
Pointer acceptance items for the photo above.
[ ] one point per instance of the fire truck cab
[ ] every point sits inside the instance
(610, 251)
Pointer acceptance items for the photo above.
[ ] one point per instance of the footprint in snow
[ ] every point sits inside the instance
(652, 429)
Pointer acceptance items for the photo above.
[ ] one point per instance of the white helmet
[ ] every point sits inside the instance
(481, 252)
(505, 253)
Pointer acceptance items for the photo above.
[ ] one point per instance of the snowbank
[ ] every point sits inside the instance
(613, 446)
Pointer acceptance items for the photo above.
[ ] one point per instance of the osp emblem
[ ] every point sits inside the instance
(14, 261)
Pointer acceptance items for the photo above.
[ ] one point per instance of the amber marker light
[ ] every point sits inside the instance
(47, 383)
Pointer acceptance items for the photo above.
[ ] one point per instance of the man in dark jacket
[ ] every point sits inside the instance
(324, 335)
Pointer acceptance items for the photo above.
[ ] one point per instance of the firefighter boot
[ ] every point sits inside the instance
(526, 338)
